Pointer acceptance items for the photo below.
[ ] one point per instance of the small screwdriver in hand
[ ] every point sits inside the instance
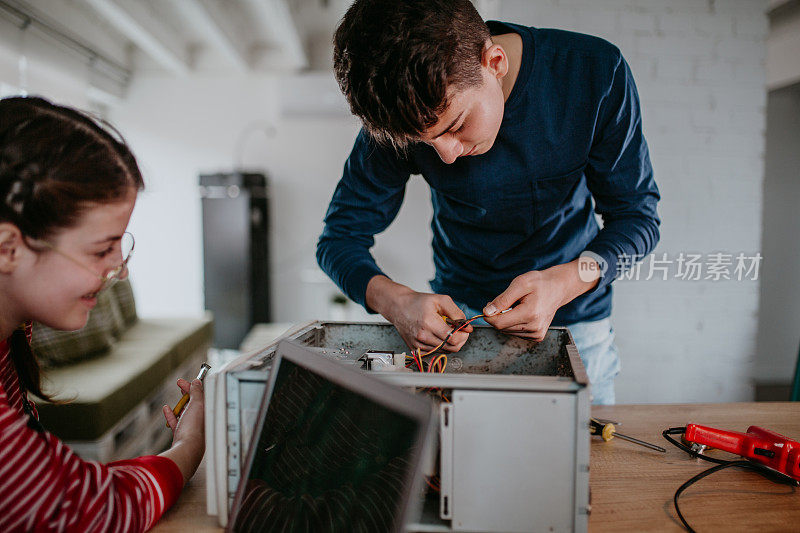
(607, 431)
(178, 409)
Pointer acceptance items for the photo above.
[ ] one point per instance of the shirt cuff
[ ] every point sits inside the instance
(359, 278)
(606, 258)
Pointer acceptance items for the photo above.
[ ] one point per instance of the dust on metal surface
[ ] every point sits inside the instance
(487, 351)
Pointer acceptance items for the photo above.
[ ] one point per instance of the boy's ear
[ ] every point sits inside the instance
(11, 242)
(495, 59)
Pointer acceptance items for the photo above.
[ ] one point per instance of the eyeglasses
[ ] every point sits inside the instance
(114, 275)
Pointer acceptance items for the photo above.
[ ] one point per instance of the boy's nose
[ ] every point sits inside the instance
(448, 149)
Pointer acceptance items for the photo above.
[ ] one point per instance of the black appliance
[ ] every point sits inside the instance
(235, 253)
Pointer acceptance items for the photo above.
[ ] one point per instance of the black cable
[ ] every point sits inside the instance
(455, 328)
(701, 475)
(680, 431)
(767, 472)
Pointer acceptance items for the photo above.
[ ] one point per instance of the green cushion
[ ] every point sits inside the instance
(55, 348)
(127, 304)
(102, 391)
(112, 307)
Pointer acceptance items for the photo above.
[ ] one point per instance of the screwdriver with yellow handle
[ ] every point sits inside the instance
(607, 431)
(178, 409)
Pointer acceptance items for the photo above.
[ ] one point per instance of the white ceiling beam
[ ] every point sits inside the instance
(276, 16)
(220, 29)
(134, 21)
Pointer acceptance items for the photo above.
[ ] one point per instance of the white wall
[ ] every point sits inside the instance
(699, 67)
(55, 70)
(305, 161)
(179, 128)
(30, 62)
(779, 317)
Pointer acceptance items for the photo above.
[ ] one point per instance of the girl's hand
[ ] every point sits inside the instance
(188, 440)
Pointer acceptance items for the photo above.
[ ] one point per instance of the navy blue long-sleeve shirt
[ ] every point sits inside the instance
(571, 133)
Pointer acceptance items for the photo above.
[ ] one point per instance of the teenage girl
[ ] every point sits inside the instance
(67, 190)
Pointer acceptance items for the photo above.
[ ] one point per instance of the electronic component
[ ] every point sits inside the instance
(374, 360)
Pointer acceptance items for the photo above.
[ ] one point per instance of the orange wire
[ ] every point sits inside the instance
(440, 360)
(455, 330)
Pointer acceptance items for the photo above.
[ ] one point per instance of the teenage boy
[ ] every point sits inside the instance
(522, 135)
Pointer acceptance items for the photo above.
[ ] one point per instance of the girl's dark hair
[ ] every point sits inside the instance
(394, 61)
(55, 162)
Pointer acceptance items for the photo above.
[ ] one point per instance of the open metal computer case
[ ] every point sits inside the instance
(513, 443)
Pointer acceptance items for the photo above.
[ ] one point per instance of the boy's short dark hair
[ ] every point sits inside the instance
(395, 59)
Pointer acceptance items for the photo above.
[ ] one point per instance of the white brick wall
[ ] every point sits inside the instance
(699, 67)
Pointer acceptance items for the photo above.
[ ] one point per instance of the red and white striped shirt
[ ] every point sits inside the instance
(44, 486)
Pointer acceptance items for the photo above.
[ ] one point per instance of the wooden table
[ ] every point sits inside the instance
(632, 487)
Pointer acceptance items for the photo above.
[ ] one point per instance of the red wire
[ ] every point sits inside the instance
(417, 354)
(456, 329)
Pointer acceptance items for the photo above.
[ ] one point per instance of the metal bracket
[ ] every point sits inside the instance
(446, 413)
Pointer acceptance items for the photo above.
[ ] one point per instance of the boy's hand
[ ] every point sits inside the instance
(417, 315)
(538, 295)
(188, 432)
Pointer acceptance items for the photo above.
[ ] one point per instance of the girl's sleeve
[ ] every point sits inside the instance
(44, 486)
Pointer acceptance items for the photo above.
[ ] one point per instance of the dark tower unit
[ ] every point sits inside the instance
(235, 253)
